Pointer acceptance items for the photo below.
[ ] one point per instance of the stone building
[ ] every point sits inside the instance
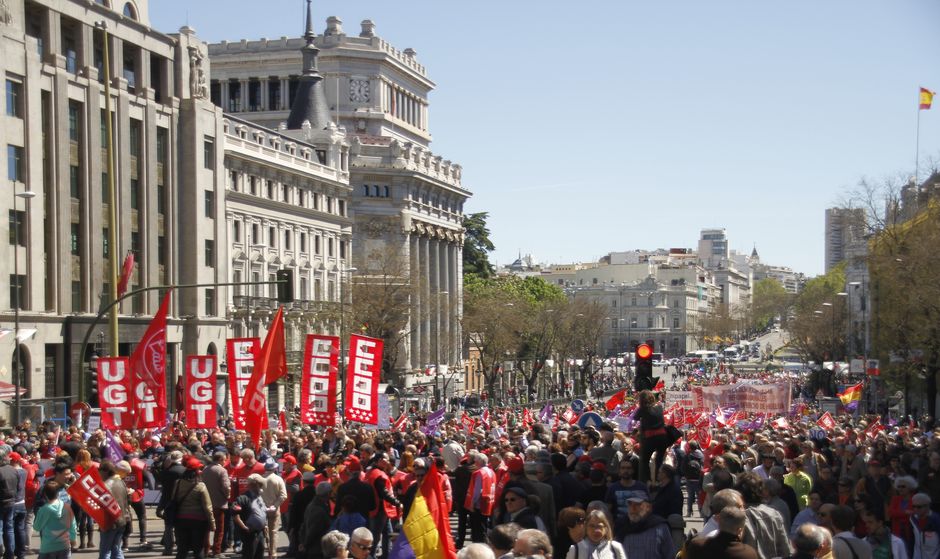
(405, 200)
(203, 198)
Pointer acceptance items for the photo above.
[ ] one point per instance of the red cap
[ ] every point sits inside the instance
(15, 457)
(584, 458)
(289, 459)
(128, 448)
(192, 463)
(516, 465)
(352, 464)
(599, 466)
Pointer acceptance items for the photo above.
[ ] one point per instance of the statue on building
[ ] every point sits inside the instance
(6, 15)
(198, 86)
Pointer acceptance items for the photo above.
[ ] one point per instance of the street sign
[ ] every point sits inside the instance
(577, 406)
(872, 368)
(590, 419)
(80, 412)
(857, 366)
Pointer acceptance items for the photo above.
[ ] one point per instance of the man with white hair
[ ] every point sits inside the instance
(925, 525)
(476, 551)
(480, 497)
(532, 542)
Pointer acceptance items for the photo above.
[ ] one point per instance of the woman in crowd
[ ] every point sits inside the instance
(597, 542)
(193, 520)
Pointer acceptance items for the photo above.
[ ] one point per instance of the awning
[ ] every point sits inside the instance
(7, 391)
(23, 335)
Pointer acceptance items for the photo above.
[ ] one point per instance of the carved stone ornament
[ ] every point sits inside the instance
(198, 84)
(6, 15)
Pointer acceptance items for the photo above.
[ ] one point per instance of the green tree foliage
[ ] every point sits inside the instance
(817, 323)
(770, 300)
(477, 246)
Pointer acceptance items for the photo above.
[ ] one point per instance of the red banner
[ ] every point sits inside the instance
(240, 356)
(362, 379)
(200, 392)
(318, 380)
(115, 393)
(91, 494)
(148, 363)
(826, 421)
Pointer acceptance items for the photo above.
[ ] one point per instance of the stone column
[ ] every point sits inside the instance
(244, 95)
(443, 263)
(414, 324)
(263, 84)
(425, 265)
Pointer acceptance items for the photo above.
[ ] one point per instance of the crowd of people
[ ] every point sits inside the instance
(515, 488)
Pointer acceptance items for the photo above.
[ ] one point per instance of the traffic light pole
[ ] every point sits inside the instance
(285, 281)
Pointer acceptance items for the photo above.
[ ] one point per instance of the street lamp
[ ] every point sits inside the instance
(438, 389)
(345, 275)
(20, 285)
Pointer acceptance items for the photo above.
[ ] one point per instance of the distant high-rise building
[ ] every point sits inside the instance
(712, 247)
(843, 226)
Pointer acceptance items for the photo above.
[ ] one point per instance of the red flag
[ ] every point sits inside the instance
(400, 422)
(116, 393)
(467, 422)
(272, 359)
(678, 417)
(318, 380)
(661, 385)
(569, 416)
(616, 400)
(826, 421)
(200, 391)
(148, 365)
(485, 418)
(282, 420)
(362, 379)
(240, 356)
(526, 418)
(126, 270)
(90, 492)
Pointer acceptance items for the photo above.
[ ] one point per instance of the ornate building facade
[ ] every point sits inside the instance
(404, 199)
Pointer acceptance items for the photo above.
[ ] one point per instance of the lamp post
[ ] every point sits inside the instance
(17, 302)
(344, 275)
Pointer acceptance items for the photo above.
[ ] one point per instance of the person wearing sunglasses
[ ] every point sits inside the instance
(515, 508)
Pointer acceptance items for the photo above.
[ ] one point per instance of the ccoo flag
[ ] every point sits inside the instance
(926, 98)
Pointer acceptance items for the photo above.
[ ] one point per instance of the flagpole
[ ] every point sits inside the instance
(917, 147)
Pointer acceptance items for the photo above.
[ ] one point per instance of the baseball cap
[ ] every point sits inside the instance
(516, 465)
(256, 478)
(352, 464)
(289, 459)
(639, 497)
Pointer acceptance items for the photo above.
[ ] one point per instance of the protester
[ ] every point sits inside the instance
(646, 535)
(219, 486)
(251, 518)
(111, 538)
(845, 544)
(598, 542)
(727, 542)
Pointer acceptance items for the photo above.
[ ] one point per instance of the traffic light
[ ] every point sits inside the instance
(643, 377)
(285, 286)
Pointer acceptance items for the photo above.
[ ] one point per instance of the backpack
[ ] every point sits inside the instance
(257, 516)
(693, 468)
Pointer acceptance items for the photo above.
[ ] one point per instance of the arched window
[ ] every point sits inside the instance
(386, 191)
(376, 190)
(365, 190)
(130, 11)
(211, 350)
(102, 2)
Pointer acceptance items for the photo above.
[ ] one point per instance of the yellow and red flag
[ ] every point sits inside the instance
(926, 98)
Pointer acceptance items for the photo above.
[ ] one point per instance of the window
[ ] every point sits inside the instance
(285, 193)
(14, 99)
(237, 278)
(316, 201)
(633, 301)
(675, 322)
(18, 228)
(161, 199)
(304, 285)
(253, 186)
(269, 185)
(105, 242)
(208, 153)
(76, 236)
(316, 244)
(301, 198)
(135, 194)
(317, 289)
(342, 207)
(272, 237)
(237, 231)
(675, 304)
(613, 303)
(329, 205)
(15, 165)
(130, 11)
(76, 296)
(633, 322)
(272, 286)
(255, 234)
(130, 67)
(210, 204)
(287, 235)
(210, 253)
(17, 291)
(161, 250)
(329, 247)
(365, 190)
(303, 242)
(649, 321)
(342, 249)
(210, 301)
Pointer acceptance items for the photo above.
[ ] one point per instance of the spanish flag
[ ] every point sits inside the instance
(426, 533)
(851, 394)
(926, 98)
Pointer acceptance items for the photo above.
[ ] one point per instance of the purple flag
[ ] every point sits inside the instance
(545, 415)
(113, 449)
(434, 419)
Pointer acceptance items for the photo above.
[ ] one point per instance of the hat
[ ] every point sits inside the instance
(256, 478)
(518, 490)
(15, 457)
(599, 466)
(639, 497)
(190, 463)
(516, 465)
(270, 465)
(352, 464)
(124, 466)
(289, 459)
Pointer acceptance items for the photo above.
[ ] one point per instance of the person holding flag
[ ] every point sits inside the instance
(653, 437)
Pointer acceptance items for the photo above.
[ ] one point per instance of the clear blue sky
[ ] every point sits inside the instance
(595, 126)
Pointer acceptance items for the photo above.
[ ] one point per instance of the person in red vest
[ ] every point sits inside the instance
(386, 504)
(480, 497)
(134, 480)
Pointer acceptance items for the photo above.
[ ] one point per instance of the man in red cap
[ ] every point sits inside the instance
(292, 480)
(359, 490)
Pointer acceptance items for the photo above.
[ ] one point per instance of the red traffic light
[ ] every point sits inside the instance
(643, 351)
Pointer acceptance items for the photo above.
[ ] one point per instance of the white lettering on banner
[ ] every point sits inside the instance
(101, 495)
(362, 380)
(200, 391)
(320, 375)
(146, 401)
(243, 367)
(115, 396)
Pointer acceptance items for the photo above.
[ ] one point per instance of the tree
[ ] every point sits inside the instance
(817, 322)
(582, 327)
(477, 246)
(381, 303)
(770, 300)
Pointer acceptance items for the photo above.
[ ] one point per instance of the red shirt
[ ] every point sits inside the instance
(241, 476)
